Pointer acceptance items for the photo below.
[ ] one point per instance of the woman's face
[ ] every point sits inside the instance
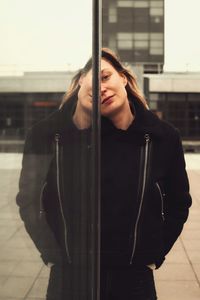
(113, 92)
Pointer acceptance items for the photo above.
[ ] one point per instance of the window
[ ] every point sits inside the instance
(125, 44)
(156, 36)
(112, 43)
(141, 36)
(124, 40)
(112, 13)
(157, 3)
(156, 44)
(124, 36)
(125, 3)
(141, 4)
(141, 44)
(156, 11)
(136, 4)
(133, 40)
(156, 51)
(154, 96)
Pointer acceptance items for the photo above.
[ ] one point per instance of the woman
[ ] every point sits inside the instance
(144, 188)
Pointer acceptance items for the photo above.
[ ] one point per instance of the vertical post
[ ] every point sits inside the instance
(96, 127)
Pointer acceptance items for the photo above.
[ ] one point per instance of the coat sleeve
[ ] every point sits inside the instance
(35, 165)
(178, 199)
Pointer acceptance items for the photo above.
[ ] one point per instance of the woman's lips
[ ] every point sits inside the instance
(106, 99)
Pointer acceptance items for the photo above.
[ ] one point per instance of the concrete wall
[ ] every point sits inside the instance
(174, 83)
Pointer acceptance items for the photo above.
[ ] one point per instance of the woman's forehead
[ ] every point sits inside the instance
(105, 65)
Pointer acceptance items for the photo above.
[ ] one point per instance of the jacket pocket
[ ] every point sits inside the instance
(162, 199)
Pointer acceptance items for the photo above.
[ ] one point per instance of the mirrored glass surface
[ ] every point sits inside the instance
(45, 150)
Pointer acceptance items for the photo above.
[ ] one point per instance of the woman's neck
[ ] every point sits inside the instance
(122, 120)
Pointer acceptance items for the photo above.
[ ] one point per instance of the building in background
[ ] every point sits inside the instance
(175, 97)
(26, 99)
(135, 30)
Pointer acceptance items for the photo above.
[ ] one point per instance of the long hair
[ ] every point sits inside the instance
(107, 54)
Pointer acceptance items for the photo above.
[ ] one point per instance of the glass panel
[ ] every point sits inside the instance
(156, 36)
(124, 36)
(46, 233)
(154, 96)
(138, 4)
(141, 35)
(156, 11)
(125, 3)
(141, 44)
(125, 44)
(156, 51)
(112, 42)
(154, 44)
(157, 3)
(112, 15)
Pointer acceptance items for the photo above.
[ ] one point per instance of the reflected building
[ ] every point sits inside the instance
(25, 99)
(135, 30)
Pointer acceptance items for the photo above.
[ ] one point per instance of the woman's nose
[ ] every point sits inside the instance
(103, 88)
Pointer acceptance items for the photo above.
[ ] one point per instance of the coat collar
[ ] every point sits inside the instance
(145, 121)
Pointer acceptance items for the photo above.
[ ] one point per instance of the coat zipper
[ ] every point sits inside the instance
(162, 201)
(146, 155)
(57, 137)
(41, 196)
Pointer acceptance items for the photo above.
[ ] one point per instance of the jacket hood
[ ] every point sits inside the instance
(145, 122)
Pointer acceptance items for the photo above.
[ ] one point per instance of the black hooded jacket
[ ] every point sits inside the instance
(145, 191)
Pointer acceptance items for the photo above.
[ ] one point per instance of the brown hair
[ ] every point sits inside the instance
(107, 54)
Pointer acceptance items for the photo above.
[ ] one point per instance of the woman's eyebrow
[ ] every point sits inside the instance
(103, 70)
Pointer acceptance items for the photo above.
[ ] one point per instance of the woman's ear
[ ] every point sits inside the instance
(125, 81)
(80, 80)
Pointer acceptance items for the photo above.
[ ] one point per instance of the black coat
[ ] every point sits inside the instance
(163, 190)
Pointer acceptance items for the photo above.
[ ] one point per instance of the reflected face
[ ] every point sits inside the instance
(85, 92)
(113, 92)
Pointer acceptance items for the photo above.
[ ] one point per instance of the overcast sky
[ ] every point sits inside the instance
(57, 34)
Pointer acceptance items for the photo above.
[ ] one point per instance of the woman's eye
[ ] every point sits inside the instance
(105, 77)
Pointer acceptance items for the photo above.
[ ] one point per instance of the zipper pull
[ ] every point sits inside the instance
(147, 137)
(57, 137)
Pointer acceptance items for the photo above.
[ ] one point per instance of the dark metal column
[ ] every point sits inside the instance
(96, 128)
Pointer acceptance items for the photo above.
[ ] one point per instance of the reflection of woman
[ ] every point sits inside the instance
(144, 188)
